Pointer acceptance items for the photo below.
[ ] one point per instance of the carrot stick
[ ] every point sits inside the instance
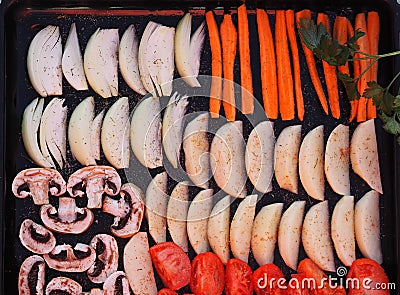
(229, 43)
(291, 31)
(312, 68)
(245, 66)
(373, 27)
(356, 73)
(285, 78)
(330, 74)
(216, 65)
(361, 23)
(269, 80)
(350, 30)
(340, 34)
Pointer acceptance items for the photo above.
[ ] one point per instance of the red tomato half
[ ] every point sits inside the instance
(172, 264)
(208, 275)
(372, 274)
(269, 280)
(238, 278)
(166, 292)
(295, 285)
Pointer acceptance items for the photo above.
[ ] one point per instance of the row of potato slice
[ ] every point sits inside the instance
(147, 65)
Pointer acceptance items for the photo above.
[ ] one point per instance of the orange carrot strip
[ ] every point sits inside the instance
(361, 23)
(373, 27)
(330, 74)
(285, 78)
(350, 30)
(291, 31)
(312, 68)
(269, 80)
(216, 65)
(354, 103)
(245, 66)
(340, 34)
(229, 42)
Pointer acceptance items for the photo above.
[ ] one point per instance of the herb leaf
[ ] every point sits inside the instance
(391, 124)
(350, 84)
(351, 43)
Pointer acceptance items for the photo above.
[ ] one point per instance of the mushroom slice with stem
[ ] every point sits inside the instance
(31, 277)
(63, 285)
(36, 238)
(128, 210)
(94, 181)
(38, 183)
(117, 283)
(67, 259)
(68, 218)
(107, 255)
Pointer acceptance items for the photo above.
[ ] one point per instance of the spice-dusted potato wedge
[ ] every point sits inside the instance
(367, 226)
(364, 155)
(287, 158)
(289, 233)
(241, 226)
(227, 159)
(218, 229)
(342, 227)
(265, 233)
(337, 160)
(260, 156)
(316, 236)
(311, 163)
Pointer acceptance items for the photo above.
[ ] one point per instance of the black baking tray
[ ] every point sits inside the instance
(19, 22)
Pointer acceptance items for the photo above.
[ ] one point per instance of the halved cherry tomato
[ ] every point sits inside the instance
(166, 291)
(238, 278)
(296, 285)
(372, 274)
(208, 275)
(172, 264)
(269, 280)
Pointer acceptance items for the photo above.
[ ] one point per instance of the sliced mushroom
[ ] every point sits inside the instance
(117, 283)
(128, 210)
(38, 183)
(67, 259)
(68, 218)
(107, 258)
(31, 276)
(94, 181)
(63, 285)
(36, 238)
(94, 291)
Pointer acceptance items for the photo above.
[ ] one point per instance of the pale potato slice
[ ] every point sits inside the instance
(287, 158)
(342, 227)
(289, 233)
(364, 155)
(367, 226)
(337, 160)
(197, 221)
(156, 207)
(218, 229)
(265, 233)
(177, 214)
(311, 163)
(241, 226)
(227, 159)
(138, 267)
(260, 156)
(316, 236)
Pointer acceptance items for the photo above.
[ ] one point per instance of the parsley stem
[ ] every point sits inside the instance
(393, 80)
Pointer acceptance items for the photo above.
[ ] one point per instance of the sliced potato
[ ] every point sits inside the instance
(364, 155)
(287, 158)
(197, 221)
(311, 163)
(342, 227)
(241, 226)
(337, 160)
(367, 226)
(289, 234)
(260, 156)
(95, 135)
(177, 214)
(265, 233)
(227, 159)
(138, 267)
(218, 229)
(316, 236)
(156, 207)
